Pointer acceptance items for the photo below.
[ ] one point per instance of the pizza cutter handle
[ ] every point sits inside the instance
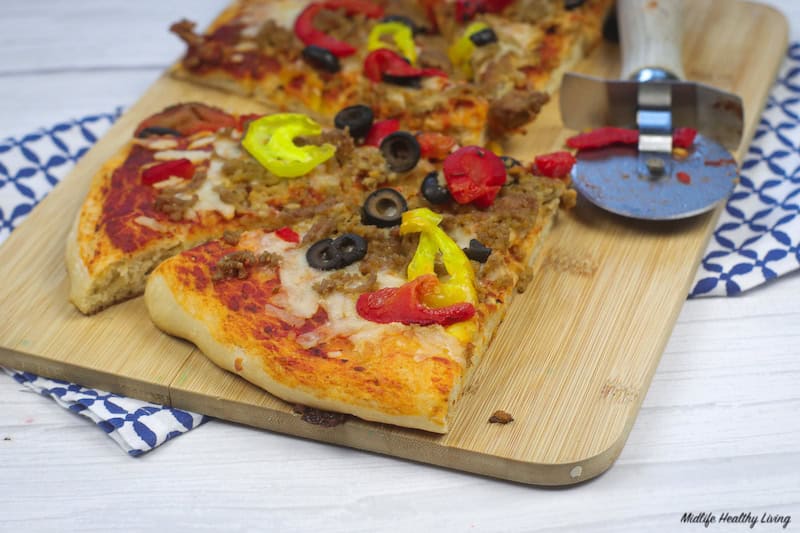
(651, 34)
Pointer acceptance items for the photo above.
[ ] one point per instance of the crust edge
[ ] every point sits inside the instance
(169, 316)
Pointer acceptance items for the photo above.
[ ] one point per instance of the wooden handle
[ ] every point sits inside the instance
(651, 33)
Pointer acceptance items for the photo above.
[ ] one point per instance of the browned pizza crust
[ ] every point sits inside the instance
(119, 235)
(399, 391)
(102, 272)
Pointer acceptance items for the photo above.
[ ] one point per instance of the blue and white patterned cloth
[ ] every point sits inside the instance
(756, 240)
(32, 165)
(758, 234)
(136, 426)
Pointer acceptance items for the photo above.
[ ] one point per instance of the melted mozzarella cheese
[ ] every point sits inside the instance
(173, 182)
(321, 180)
(157, 143)
(297, 279)
(386, 279)
(195, 156)
(151, 223)
(343, 319)
(298, 298)
(517, 38)
(202, 141)
(246, 46)
(461, 237)
(227, 148)
(207, 198)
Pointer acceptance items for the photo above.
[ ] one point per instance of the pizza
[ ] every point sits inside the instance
(380, 305)
(185, 178)
(472, 69)
(355, 248)
(362, 268)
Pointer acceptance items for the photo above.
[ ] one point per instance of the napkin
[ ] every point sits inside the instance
(758, 233)
(136, 426)
(756, 239)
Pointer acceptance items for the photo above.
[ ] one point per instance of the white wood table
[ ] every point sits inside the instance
(719, 430)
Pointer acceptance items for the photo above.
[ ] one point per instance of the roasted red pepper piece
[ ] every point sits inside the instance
(385, 61)
(555, 165)
(182, 168)
(602, 137)
(475, 175)
(310, 35)
(380, 130)
(188, 119)
(683, 137)
(245, 120)
(287, 234)
(435, 145)
(467, 9)
(404, 304)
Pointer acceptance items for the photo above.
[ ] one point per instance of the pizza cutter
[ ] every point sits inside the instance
(650, 181)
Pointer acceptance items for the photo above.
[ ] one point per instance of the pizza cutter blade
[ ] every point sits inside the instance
(614, 179)
(647, 181)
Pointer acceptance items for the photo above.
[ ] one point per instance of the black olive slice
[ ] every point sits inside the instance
(401, 151)
(433, 191)
(323, 255)
(321, 58)
(350, 247)
(510, 162)
(383, 208)
(573, 4)
(157, 130)
(415, 82)
(483, 37)
(415, 29)
(357, 118)
(477, 251)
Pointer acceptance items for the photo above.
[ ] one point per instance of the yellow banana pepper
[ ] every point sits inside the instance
(270, 140)
(460, 52)
(401, 34)
(460, 286)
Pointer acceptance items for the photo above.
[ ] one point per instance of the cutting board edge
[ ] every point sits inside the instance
(363, 435)
(406, 444)
(87, 377)
(774, 12)
(783, 37)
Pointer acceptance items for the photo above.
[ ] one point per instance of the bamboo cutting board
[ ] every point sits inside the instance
(571, 362)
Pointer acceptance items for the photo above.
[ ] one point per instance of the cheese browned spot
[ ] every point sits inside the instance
(318, 417)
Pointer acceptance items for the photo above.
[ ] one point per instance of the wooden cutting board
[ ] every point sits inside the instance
(571, 362)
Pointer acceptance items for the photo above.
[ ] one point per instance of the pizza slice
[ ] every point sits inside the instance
(409, 60)
(379, 306)
(517, 51)
(188, 176)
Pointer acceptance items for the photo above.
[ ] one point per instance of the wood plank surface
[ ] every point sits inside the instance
(572, 361)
